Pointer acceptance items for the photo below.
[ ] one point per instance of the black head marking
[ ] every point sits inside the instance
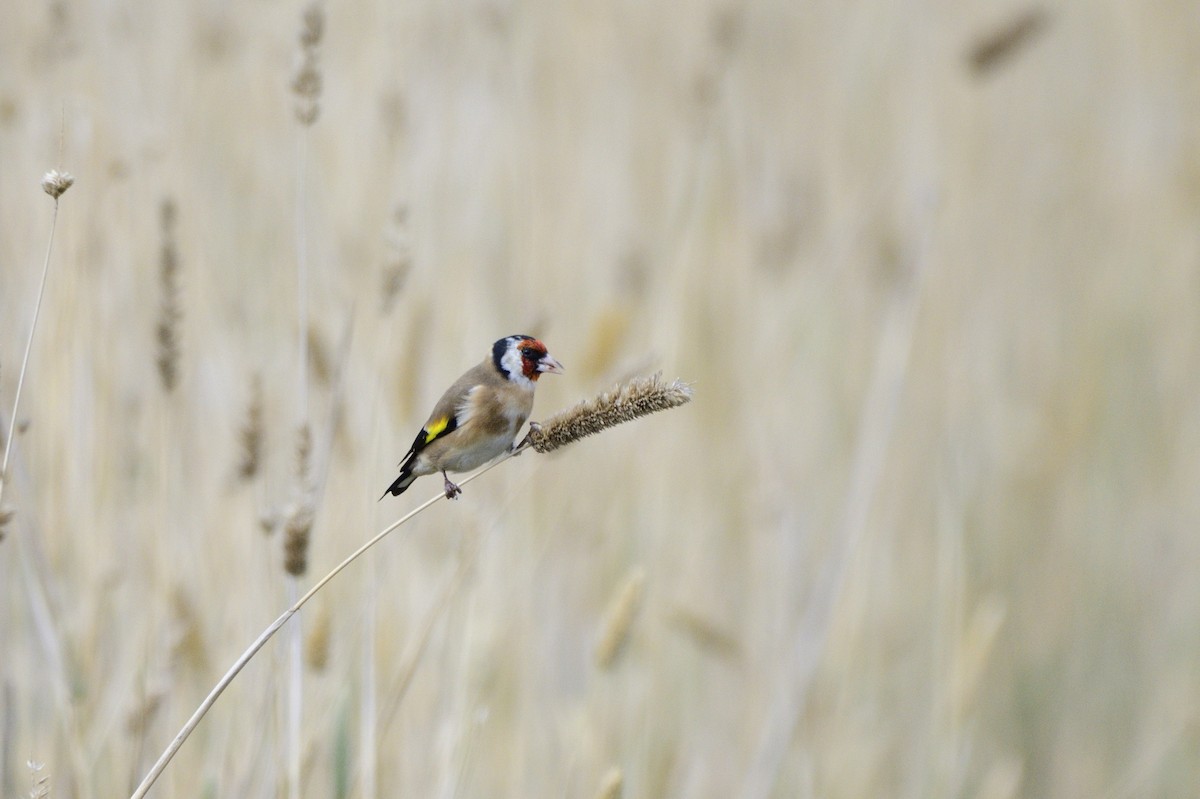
(501, 347)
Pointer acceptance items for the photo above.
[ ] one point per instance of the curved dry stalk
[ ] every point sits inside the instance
(266, 635)
(624, 403)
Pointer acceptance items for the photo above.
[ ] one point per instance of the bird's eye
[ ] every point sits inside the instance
(531, 353)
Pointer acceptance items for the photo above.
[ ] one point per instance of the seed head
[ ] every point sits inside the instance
(612, 786)
(306, 81)
(251, 434)
(170, 313)
(297, 530)
(55, 183)
(619, 618)
(623, 403)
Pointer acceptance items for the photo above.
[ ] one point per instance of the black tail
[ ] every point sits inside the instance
(401, 483)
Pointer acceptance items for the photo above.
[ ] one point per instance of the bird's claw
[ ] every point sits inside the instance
(452, 491)
(526, 442)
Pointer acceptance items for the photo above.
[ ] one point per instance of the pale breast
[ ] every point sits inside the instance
(488, 423)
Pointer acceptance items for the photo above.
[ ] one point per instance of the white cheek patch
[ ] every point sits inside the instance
(514, 367)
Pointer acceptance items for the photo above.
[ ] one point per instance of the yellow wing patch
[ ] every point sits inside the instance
(436, 428)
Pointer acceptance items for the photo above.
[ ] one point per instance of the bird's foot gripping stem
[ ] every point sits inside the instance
(452, 490)
(526, 442)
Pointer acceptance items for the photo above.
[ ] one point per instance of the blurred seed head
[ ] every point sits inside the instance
(705, 633)
(316, 646)
(270, 520)
(138, 721)
(726, 29)
(605, 340)
(998, 46)
(304, 444)
(188, 648)
(974, 652)
(297, 531)
(251, 435)
(312, 26)
(1003, 780)
(399, 263)
(298, 527)
(56, 183)
(319, 359)
(619, 618)
(612, 786)
(307, 81)
(166, 330)
(41, 782)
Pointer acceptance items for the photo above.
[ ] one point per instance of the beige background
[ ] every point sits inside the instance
(927, 530)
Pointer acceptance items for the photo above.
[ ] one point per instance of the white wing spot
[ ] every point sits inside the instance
(466, 408)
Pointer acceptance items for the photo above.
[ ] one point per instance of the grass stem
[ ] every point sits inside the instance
(624, 403)
(37, 309)
(273, 628)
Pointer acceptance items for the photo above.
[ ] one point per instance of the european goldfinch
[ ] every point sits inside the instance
(478, 417)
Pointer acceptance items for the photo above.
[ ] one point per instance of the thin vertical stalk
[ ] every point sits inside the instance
(302, 277)
(295, 694)
(37, 309)
(369, 701)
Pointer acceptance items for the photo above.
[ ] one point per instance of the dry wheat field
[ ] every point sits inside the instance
(928, 527)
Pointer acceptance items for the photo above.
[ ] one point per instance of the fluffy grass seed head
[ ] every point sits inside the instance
(56, 183)
(623, 403)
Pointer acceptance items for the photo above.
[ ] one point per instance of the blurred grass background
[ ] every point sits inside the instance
(928, 529)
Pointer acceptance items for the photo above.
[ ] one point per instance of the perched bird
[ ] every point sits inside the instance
(478, 417)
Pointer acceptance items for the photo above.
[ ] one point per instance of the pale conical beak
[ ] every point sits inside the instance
(547, 364)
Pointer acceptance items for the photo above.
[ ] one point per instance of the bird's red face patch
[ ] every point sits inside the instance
(532, 352)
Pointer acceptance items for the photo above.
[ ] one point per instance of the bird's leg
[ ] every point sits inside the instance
(526, 442)
(452, 491)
